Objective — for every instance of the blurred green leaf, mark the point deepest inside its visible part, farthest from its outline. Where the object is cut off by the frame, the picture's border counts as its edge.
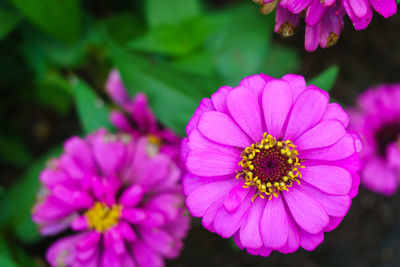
(124, 27)
(13, 151)
(170, 12)
(92, 111)
(172, 98)
(279, 61)
(176, 40)
(326, 79)
(239, 48)
(199, 63)
(16, 203)
(59, 18)
(6, 261)
(8, 21)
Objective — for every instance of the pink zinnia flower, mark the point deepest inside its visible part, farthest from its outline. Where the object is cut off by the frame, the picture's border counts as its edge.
(324, 19)
(137, 118)
(377, 119)
(270, 162)
(124, 203)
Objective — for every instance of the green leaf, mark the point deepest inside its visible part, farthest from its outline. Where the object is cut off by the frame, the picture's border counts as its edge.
(59, 18)
(241, 45)
(170, 12)
(16, 203)
(124, 27)
(326, 79)
(8, 21)
(13, 151)
(6, 261)
(92, 111)
(178, 39)
(172, 97)
(279, 61)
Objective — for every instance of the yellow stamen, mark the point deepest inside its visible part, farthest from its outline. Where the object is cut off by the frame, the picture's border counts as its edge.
(101, 217)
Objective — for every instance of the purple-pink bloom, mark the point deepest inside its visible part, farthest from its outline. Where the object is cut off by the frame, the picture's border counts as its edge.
(137, 119)
(377, 119)
(271, 163)
(123, 203)
(324, 19)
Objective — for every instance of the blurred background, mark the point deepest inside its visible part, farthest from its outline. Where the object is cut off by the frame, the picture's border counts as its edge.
(55, 56)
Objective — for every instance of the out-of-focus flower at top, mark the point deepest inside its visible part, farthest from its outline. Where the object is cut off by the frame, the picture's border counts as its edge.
(136, 118)
(377, 119)
(324, 19)
(271, 163)
(124, 205)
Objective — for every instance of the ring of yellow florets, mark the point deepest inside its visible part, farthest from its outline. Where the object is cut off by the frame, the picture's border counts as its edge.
(102, 217)
(270, 166)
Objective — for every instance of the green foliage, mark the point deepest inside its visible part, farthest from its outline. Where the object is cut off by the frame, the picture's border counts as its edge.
(9, 21)
(16, 203)
(60, 18)
(93, 112)
(326, 79)
(160, 13)
(13, 151)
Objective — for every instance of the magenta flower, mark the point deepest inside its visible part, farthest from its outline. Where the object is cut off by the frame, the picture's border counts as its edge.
(124, 203)
(324, 19)
(377, 119)
(270, 162)
(137, 118)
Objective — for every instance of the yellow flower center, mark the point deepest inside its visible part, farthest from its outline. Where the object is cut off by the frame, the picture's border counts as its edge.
(270, 166)
(101, 217)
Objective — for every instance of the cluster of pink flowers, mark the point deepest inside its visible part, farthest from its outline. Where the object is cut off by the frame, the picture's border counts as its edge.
(324, 19)
(377, 119)
(271, 163)
(137, 119)
(105, 188)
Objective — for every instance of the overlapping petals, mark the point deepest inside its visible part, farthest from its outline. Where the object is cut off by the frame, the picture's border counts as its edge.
(377, 119)
(324, 19)
(124, 204)
(235, 118)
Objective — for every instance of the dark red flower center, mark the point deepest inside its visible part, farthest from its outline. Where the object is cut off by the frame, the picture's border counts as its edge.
(386, 135)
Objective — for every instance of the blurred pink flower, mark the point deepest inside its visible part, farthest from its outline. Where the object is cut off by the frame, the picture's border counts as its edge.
(377, 119)
(124, 202)
(270, 162)
(137, 118)
(324, 19)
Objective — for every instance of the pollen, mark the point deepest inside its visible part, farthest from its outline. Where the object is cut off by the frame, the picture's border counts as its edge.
(270, 166)
(102, 217)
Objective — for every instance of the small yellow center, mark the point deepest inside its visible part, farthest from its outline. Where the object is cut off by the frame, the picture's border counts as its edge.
(101, 217)
(270, 166)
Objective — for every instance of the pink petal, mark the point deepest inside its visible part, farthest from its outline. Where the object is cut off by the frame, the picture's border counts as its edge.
(204, 106)
(297, 84)
(310, 241)
(378, 177)
(329, 179)
(335, 112)
(191, 182)
(359, 7)
(220, 128)
(306, 211)
(245, 110)
(145, 256)
(235, 197)
(132, 196)
(306, 112)
(274, 224)
(323, 134)
(250, 236)
(226, 224)
(386, 8)
(293, 241)
(219, 99)
(201, 198)
(276, 101)
(255, 83)
(212, 164)
(336, 206)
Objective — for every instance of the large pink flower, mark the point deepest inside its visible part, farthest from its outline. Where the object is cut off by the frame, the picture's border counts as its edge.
(377, 119)
(270, 162)
(324, 19)
(136, 118)
(124, 203)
